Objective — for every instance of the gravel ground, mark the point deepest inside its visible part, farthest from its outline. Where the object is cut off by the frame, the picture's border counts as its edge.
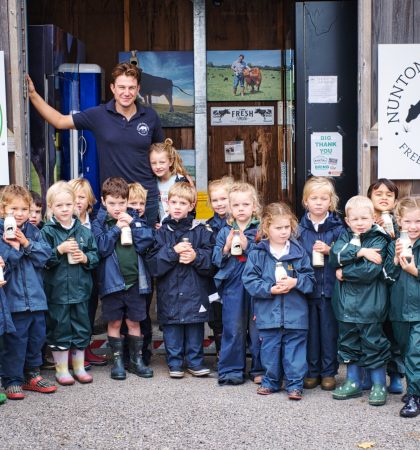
(192, 413)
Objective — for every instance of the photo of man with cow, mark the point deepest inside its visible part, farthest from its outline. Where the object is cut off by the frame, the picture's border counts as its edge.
(258, 76)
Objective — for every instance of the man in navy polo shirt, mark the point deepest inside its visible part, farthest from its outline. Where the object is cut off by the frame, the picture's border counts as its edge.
(123, 128)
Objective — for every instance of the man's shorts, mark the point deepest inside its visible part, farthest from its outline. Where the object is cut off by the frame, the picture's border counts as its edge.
(127, 304)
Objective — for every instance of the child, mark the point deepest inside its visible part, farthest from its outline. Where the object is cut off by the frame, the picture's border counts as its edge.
(6, 322)
(218, 191)
(384, 195)
(24, 256)
(168, 167)
(238, 323)
(405, 295)
(123, 279)
(137, 196)
(319, 228)
(280, 305)
(181, 261)
(35, 217)
(68, 284)
(360, 301)
(85, 201)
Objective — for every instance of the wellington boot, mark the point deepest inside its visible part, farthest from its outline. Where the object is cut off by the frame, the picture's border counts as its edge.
(136, 364)
(117, 369)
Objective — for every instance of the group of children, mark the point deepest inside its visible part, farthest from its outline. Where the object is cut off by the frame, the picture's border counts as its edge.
(300, 297)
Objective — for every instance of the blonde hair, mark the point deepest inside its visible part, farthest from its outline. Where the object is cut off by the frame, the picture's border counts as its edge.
(405, 205)
(175, 160)
(60, 187)
(316, 183)
(79, 184)
(241, 186)
(183, 190)
(359, 202)
(136, 190)
(10, 192)
(225, 182)
(274, 210)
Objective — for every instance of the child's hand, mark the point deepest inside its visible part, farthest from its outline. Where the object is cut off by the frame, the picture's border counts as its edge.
(79, 257)
(21, 238)
(188, 256)
(409, 267)
(2, 263)
(182, 247)
(2, 283)
(12, 242)
(244, 240)
(371, 254)
(228, 243)
(157, 226)
(322, 247)
(276, 289)
(339, 274)
(286, 284)
(69, 246)
(124, 220)
(379, 220)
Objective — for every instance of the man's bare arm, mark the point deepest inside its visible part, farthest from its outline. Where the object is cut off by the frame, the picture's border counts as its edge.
(51, 115)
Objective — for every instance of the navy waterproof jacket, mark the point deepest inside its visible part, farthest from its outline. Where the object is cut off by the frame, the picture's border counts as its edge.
(23, 272)
(286, 310)
(231, 267)
(109, 274)
(6, 322)
(328, 232)
(182, 289)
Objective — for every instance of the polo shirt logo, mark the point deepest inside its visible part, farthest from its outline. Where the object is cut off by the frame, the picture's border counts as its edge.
(143, 129)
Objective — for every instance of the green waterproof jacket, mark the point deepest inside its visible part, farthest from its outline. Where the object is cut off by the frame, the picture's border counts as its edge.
(405, 288)
(362, 297)
(66, 283)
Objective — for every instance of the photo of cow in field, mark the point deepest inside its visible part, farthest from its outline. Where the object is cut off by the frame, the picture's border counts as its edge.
(236, 75)
(167, 84)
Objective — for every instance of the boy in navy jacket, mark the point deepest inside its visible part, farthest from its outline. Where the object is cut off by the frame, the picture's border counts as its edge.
(123, 278)
(25, 256)
(181, 261)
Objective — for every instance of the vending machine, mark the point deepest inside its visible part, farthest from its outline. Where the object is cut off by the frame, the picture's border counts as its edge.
(81, 87)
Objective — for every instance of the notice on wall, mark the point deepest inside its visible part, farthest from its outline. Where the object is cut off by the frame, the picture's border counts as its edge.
(234, 151)
(322, 89)
(238, 115)
(399, 111)
(4, 156)
(326, 154)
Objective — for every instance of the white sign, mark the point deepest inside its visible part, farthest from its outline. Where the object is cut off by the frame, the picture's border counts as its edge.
(322, 89)
(246, 115)
(4, 156)
(399, 111)
(234, 151)
(326, 154)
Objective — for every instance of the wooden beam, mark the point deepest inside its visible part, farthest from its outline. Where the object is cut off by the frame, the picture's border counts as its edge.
(364, 94)
(127, 47)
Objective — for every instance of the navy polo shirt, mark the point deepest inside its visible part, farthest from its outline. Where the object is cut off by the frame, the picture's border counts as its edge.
(123, 146)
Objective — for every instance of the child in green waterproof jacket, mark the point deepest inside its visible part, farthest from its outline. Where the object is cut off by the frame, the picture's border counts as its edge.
(360, 301)
(403, 271)
(68, 283)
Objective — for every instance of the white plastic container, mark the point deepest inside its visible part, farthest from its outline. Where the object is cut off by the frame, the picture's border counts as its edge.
(70, 258)
(126, 236)
(236, 248)
(355, 240)
(10, 226)
(280, 272)
(388, 225)
(407, 250)
(318, 259)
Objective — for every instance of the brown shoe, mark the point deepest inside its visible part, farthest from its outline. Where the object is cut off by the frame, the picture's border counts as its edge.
(328, 383)
(311, 383)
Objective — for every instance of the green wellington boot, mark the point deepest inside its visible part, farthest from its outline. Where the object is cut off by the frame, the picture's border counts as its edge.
(3, 398)
(349, 389)
(378, 394)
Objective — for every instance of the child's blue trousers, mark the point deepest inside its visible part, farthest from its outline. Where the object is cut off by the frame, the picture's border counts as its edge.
(22, 349)
(184, 341)
(283, 351)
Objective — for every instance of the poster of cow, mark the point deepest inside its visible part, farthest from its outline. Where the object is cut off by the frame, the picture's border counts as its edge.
(167, 84)
(243, 75)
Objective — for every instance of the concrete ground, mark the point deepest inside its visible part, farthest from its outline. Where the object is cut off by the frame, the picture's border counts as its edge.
(192, 413)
